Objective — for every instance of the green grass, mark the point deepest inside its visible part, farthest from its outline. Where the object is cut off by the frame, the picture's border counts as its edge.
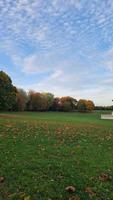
(42, 153)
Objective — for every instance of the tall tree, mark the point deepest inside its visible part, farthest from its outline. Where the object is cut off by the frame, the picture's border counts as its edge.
(37, 101)
(49, 98)
(7, 92)
(67, 103)
(81, 105)
(56, 104)
(21, 100)
(90, 105)
(85, 105)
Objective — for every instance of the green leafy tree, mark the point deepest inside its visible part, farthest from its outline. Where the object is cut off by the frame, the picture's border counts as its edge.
(7, 92)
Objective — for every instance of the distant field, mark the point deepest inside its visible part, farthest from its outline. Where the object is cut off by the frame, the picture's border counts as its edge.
(43, 153)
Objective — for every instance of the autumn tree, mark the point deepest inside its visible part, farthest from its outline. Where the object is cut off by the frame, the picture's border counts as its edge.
(21, 100)
(37, 101)
(67, 103)
(49, 98)
(81, 105)
(7, 92)
(90, 105)
(56, 104)
(85, 105)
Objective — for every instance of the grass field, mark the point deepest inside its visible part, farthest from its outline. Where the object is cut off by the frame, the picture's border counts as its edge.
(43, 153)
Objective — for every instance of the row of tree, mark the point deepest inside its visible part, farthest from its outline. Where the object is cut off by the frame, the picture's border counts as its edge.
(104, 108)
(15, 99)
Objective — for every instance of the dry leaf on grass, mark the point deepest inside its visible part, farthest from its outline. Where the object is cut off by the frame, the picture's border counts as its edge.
(104, 177)
(90, 192)
(70, 189)
(2, 179)
(27, 198)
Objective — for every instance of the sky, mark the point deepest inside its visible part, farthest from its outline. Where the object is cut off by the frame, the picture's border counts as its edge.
(60, 46)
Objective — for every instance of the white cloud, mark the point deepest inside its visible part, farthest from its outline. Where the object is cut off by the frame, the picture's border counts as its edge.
(56, 74)
(34, 63)
(65, 39)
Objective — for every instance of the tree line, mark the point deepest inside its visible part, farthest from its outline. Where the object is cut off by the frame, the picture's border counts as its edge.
(15, 99)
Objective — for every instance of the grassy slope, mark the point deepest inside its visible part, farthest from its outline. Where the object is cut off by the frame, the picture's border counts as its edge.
(42, 153)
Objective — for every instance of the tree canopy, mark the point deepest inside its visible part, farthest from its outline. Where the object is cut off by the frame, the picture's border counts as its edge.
(12, 98)
(84, 105)
(7, 92)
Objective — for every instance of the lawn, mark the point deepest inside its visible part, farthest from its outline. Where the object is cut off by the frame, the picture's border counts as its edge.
(43, 153)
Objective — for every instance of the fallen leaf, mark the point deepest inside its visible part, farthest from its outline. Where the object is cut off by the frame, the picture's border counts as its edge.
(27, 198)
(12, 195)
(70, 188)
(21, 194)
(90, 192)
(104, 177)
(2, 179)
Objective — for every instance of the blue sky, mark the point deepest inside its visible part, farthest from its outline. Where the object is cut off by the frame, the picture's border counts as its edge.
(59, 46)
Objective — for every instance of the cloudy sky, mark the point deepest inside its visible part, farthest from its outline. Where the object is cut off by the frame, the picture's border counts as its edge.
(60, 46)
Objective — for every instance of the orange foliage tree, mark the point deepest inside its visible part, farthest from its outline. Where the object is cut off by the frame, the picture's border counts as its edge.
(84, 105)
(21, 100)
(36, 102)
(67, 103)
